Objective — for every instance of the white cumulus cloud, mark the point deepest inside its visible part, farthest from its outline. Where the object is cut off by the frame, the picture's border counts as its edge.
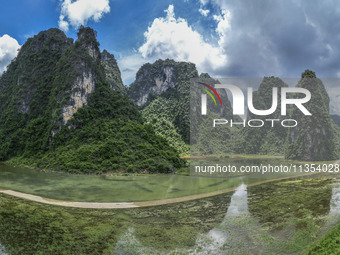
(76, 13)
(129, 65)
(204, 2)
(223, 25)
(8, 50)
(172, 37)
(203, 12)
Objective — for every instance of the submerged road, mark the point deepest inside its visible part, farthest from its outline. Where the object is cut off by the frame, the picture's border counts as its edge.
(121, 205)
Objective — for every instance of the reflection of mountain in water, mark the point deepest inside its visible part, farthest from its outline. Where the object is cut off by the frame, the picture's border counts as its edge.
(333, 217)
(221, 236)
(334, 210)
(239, 203)
(2, 250)
(239, 232)
(232, 234)
(335, 201)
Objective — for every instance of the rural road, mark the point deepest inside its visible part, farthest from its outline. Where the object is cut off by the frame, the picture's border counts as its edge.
(121, 205)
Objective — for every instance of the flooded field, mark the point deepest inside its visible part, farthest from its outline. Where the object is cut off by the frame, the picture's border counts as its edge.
(283, 216)
(92, 188)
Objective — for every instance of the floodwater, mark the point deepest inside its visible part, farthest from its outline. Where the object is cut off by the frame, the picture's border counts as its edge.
(248, 229)
(285, 216)
(2, 250)
(92, 188)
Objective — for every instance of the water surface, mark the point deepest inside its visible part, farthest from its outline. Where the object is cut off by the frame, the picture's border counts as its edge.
(91, 188)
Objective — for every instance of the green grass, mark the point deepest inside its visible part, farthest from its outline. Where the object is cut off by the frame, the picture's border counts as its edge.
(255, 156)
(285, 217)
(235, 156)
(328, 245)
(31, 228)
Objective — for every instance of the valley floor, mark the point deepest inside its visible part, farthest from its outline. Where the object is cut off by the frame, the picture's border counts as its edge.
(275, 216)
(124, 205)
(281, 217)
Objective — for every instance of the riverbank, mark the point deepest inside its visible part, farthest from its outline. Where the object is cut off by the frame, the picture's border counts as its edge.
(265, 219)
(19, 162)
(121, 205)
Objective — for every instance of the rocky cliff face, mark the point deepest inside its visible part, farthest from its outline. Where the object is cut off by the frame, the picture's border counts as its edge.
(313, 138)
(86, 70)
(83, 84)
(51, 53)
(162, 91)
(154, 79)
(87, 40)
(51, 74)
(61, 107)
(112, 72)
(80, 92)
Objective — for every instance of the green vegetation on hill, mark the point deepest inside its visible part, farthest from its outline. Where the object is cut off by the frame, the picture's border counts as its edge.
(267, 139)
(58, 111)
(336, 119)
(62, 106)
(157, 115)
(162, 91)
(206, 139)
(106, 135)
(25, 91)
(314, 137)
(112, 72)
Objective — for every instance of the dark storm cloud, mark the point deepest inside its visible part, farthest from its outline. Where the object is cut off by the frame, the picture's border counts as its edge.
(282, 38)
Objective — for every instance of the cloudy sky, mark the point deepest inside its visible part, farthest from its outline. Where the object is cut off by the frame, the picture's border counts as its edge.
(226, 38)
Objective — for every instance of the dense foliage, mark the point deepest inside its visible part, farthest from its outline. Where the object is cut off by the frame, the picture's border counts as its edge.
(112, 72)
(25, 91)
(162, 90)
(267, 139)
(157, 115)
(328, 245)
(106, 134)
(167, 110)
(314, 137)
(101, 138)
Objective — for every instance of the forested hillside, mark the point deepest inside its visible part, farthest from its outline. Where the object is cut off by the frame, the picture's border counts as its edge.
(63, 107)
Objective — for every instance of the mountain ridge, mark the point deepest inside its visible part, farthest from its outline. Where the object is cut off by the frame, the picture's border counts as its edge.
(59, 110)
(56, 89)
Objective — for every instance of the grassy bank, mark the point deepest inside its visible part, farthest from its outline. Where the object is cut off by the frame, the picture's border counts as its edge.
(32, 228)
(328, 245)
(285, 217)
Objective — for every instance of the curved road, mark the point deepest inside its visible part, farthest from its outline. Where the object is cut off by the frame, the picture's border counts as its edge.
(94, 205)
